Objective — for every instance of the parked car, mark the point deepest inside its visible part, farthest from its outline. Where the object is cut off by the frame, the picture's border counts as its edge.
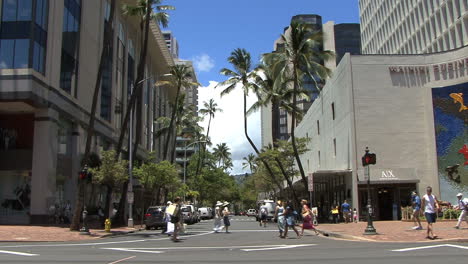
(154, 217)
(251, 212)
(205, 212)
(190, 213)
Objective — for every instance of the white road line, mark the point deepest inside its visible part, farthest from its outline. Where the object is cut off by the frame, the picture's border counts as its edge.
(120, 260)
(18, 253)
(273, 248)
(135, 250)
(427, 247)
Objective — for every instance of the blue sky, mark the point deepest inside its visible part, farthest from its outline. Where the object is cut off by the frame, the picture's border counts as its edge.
(209, 30)
(214, 28)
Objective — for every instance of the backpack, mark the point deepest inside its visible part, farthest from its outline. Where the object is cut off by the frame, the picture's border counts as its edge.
(263, 211)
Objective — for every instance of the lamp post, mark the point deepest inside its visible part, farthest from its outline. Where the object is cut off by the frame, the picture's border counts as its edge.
(185, 157)
(84, 177)
(130, 194)
(367, 160)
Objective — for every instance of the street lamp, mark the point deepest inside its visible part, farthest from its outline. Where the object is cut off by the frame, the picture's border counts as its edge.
(185, 156)
(84, 176)
(130, 195)
(367, 160)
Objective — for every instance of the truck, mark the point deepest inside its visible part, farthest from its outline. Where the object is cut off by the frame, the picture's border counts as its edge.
(270, 205)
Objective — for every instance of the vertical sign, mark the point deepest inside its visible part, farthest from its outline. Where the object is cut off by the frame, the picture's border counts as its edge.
(311, 182)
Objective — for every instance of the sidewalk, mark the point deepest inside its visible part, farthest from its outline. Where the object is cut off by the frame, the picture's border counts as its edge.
(396, 231)
(10, 233)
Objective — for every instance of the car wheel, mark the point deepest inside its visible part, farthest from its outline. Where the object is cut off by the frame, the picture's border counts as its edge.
(147, 227)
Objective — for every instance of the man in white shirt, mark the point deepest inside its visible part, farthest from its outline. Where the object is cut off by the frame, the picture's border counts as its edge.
(431, 207)
(463, 206)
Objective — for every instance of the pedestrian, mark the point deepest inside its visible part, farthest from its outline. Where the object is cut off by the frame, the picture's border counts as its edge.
(463, 206)
(68, 212)
(218, 216)
(416, 201)
(335, 212)
(279, 216)
(307, 218)
(355, 215)
(169, 227)
(346, 210)
(290, 220)
(226, 214)
(263, 214)
(176, 219)
(431, 207)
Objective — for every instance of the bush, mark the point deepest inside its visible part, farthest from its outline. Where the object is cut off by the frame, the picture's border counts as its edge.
(451, 214)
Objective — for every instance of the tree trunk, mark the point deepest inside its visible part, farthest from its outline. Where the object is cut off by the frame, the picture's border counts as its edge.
(201, 157)
(107, 43)
(75, 224)
(293, 127)
(120, 215)
(138, 83)
(171, 123)
(255, 148)
(108, 201)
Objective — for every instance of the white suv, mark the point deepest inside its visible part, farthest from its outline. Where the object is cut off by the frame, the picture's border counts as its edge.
(251, 212)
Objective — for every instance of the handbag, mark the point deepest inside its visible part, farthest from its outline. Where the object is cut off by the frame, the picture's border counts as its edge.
(174, 219)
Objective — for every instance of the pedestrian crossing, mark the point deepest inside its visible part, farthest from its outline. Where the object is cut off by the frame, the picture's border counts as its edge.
(237, 219)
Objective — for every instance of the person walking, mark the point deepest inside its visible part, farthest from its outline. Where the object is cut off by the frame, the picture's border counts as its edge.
(169, 227)
(431, 207)
(346, 210)
(263, 214)
(307, 218)
(335, 212)
(463, 206)
(355, 215)
(279, 216)
(218, 216)
(176, 219)
(290, 220)
(416, 201)
(226, 214)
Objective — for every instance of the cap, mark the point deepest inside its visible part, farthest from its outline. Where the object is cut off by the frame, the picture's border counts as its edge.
(459, 194)
(169, 202)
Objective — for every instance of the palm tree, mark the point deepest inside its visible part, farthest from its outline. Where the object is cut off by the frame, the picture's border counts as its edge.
(144, 10)
(300, 58)
(107, 47)
(242, 75)
(222, 154)
(181, 78)
(249, 162)
(211, 107)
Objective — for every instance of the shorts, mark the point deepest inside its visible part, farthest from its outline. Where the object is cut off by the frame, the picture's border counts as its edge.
(226, 221)
(263, 217)
(430, 217)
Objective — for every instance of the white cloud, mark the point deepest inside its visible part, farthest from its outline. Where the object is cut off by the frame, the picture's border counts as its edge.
(228, 126)
(203, 63)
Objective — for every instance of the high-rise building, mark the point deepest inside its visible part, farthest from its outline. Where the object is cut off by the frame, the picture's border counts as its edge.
(172, 43)
(49, 56)
(413, 27)
(339, 38)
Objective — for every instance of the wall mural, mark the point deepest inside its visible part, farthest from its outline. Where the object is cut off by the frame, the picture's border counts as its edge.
(451, 128)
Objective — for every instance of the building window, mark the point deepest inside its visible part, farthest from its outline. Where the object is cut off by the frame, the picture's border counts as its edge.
(130, 68)
(319, 162)
(70, 44)
(106, 79)
(333, 110)
(318, 127)
(23, 34)
(334, 146)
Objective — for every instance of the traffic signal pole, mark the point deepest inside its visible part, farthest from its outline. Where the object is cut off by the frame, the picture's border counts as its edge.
(367, 160)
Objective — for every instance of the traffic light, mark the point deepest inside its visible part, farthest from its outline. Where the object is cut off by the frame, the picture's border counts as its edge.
(369, 159)
(84, 174)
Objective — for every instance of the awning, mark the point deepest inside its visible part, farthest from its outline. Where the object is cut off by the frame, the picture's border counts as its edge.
(388, 182)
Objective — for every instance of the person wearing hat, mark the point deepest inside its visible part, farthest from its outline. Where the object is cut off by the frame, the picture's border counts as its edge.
(226, 213)
(463, 206)
(218, 216)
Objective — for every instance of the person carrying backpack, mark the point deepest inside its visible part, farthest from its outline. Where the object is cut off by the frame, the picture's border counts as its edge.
(263, 214)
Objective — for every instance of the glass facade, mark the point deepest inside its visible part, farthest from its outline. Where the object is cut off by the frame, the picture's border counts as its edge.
(23, 34)
(70, 44)
(106, 79)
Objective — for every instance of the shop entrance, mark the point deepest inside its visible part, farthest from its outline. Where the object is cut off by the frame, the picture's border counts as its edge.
(385, 202)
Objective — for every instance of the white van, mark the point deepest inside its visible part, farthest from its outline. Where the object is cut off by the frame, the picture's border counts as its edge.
(270, 205)
(205, 213)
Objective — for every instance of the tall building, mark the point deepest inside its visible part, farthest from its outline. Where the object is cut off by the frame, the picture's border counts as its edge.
(413, 27)
(339, 38)
(172, 43)
(49, 56)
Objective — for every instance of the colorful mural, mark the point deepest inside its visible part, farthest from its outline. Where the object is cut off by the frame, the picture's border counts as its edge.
(451, 128)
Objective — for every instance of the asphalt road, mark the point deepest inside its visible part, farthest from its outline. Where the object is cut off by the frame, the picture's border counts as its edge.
(247, 243)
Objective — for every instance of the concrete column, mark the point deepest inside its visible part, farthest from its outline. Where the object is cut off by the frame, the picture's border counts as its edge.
(43, 182)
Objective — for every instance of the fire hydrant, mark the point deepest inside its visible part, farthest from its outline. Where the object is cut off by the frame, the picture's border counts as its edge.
(107, 225)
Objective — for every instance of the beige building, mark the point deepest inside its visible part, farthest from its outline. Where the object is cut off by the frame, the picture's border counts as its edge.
(412, 26)
(404, 109)
(49, 54)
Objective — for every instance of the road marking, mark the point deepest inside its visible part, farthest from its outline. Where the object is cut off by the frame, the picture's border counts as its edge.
(120, 260)
(281, 247)
(427, 247)
(243, 248)
(18, 253)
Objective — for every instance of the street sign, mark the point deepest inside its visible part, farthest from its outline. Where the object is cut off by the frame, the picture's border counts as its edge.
(311, 182)
(130, 197)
